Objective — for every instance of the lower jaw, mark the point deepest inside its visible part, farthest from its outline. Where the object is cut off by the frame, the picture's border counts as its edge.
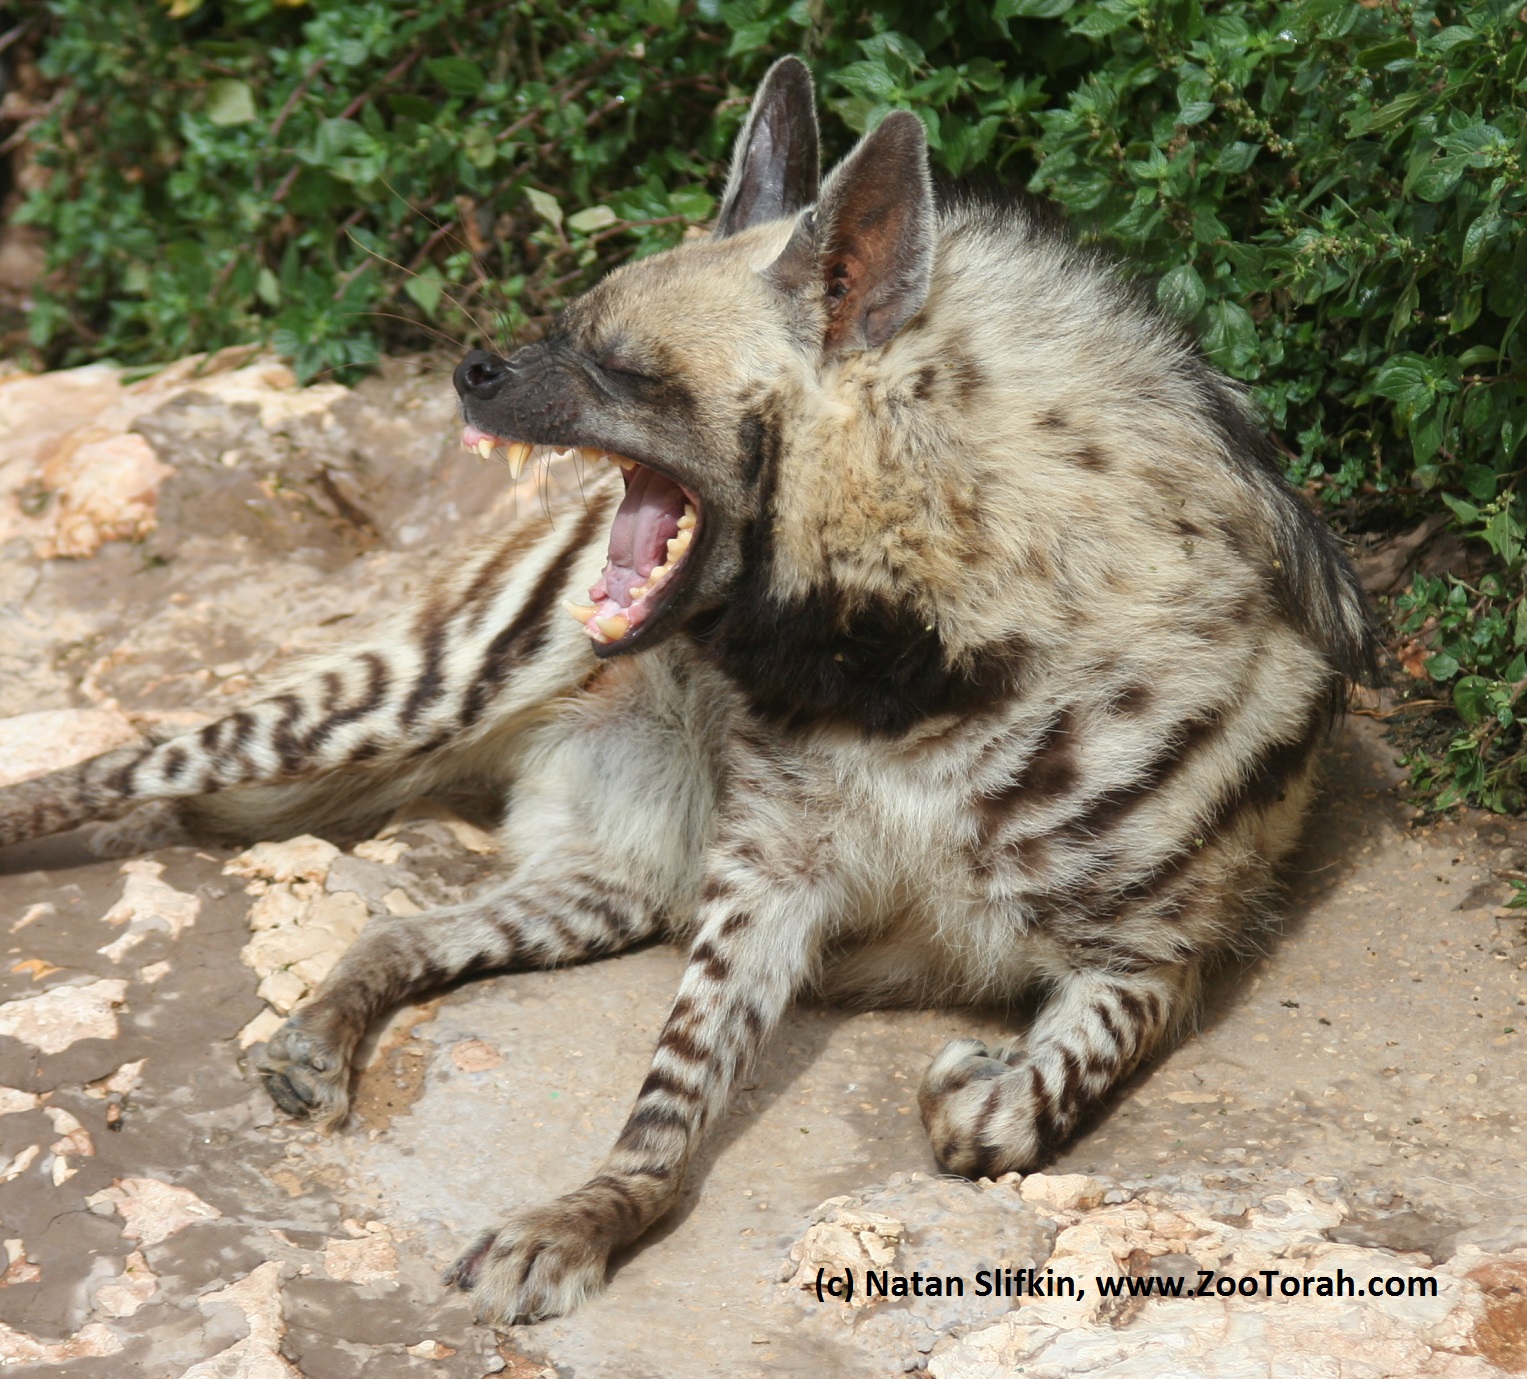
(607, 620)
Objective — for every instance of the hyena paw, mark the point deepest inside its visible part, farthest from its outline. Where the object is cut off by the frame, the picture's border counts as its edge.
(543, 1262)
(975, 1105)
(307, 1075)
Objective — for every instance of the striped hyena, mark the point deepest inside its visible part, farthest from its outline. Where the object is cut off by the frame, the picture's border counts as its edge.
(939, 630)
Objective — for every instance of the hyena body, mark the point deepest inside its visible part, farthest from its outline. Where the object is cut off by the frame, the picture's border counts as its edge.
(977, 649)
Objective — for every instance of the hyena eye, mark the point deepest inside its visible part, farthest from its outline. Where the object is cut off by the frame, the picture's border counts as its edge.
(622, 366)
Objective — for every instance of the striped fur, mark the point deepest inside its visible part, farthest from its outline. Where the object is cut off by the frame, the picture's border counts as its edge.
(997, 665)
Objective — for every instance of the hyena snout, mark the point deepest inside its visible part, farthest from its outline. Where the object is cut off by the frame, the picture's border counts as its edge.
(480, 376)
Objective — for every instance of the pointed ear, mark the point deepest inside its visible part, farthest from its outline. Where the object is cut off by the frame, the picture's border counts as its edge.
(774, 166)
(869, 243)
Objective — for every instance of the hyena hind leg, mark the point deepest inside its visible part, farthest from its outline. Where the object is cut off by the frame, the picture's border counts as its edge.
(995, 1110)
(524, 923)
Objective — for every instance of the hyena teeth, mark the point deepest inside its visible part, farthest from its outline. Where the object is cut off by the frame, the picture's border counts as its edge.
(688, 520)
(516, 455)
(592, 454)
(582, 611)
(485, 446)
(613, 627)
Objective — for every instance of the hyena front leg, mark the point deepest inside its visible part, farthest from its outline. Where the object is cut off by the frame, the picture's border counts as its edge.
(488, 643)
(991, 1111)
(756, 946)
(530, 922)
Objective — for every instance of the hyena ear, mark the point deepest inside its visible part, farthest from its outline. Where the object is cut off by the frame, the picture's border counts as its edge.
(775, 171)
(868, 246)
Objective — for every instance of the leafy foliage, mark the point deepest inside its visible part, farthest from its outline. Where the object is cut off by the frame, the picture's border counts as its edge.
(1331, 195)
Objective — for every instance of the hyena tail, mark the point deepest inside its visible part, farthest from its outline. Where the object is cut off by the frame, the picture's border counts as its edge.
(480, 659)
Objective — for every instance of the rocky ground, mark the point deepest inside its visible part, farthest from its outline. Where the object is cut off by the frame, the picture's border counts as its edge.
(1352, 1105)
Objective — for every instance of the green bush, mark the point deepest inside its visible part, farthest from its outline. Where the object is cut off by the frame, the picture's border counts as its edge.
(1331, 194)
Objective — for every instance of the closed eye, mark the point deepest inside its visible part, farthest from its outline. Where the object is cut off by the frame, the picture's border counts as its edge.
(622, 367)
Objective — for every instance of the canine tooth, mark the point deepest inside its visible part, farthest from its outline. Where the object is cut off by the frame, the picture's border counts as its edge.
(582, 611)
(485, 446)
(517, 454)
(614, 627)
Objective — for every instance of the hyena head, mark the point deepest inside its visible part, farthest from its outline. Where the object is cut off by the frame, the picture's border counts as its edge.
(885, 450)
(703, 365)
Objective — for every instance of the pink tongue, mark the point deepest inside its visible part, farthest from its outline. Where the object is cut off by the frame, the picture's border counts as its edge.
(648, 518)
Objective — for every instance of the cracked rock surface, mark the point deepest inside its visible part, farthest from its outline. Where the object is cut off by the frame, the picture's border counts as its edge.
(1352, 1101)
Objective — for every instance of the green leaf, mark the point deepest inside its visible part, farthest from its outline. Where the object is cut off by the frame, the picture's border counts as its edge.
(1231, 340)
(1441, 667)
(1481, 481)
(229, 102)
(1505, 533)
(1437, 180)
(460, 76)
(1479, 234)
(1032, 9)
(425, 289)
(1181, 292)
(695, 203)
(592, 218)
(1466, 513)
(1471, 697)
(747, 38)
(1389, 115)
(546, 206)
(1382, 54)
(1237, 157)
(868, 79)
(1406, 379)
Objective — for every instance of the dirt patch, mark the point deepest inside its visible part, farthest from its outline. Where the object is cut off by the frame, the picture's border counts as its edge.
(394, 1078)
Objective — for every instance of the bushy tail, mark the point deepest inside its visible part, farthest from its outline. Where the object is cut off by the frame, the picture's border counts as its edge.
(486, 648)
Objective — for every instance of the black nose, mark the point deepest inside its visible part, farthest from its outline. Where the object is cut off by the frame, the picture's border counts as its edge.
(480, 375)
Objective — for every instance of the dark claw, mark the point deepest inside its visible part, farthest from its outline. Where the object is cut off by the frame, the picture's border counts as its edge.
(284, 1094)
(463, 1273)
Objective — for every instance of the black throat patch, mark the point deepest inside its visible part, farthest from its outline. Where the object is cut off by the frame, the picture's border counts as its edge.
(814, 661)
(827, 657)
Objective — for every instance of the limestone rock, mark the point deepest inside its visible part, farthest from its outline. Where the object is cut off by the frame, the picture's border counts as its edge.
(258, 1356)
(153, 1211)
(1062, 1192)
(1266, 1319)
(148, 905)
(134, 1287)
(904, 1244)
(32, 744)
(105, 487)
(57, 1018)
(297, 859)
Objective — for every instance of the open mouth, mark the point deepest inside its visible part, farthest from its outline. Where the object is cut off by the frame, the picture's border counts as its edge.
(650, 538)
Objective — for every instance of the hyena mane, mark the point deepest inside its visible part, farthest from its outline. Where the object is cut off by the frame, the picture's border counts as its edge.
(949, 634)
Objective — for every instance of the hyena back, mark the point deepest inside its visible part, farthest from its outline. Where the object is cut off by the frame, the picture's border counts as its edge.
(949, 635)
